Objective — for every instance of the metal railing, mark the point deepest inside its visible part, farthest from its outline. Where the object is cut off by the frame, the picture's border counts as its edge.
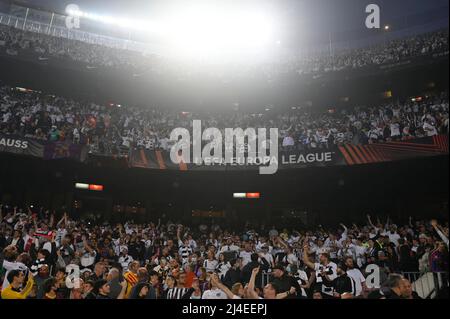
(265, 278)
(427, 284)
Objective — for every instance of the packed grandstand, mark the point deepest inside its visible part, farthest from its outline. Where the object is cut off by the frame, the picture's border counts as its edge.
(166, 260)
(111, 130)
(56, 253)
(16, 42)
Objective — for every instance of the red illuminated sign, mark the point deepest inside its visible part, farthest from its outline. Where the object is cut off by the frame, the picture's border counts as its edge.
(97, 188)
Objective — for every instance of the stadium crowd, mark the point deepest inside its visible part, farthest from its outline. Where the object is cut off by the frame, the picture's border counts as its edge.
(114, 129)
(389, 52)
(15, 42)
(49, 257)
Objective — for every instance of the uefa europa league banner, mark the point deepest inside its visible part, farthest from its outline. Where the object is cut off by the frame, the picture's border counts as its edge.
(41, 149)
(150, 159)
(340, 155)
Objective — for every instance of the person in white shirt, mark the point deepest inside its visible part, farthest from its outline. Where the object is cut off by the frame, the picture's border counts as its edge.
(289, 257)
(30, 240)
(236, 292)
(294, 238)
(347, 250)
(360, 252)
(229, 246)
(319, 248)
(222, 267)
(429, 128)
(164, 143)
(395, 130)
(343, 235)
(119, 246)
(302, 278)
(125, 259)
(214, 293)
(12, 263)
(88, 255)
(246, 254)
(356, 275)
(211, 263)
(266, 255)
(393, 236)
(48, 245)
(332, 245)
(288, 141)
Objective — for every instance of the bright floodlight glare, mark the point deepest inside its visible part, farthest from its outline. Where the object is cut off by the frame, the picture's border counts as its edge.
(206, 27)
(206, 30)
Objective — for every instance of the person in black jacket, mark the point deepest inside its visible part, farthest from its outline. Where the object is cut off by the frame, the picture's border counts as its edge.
(283, 282)
(408, 262)
(17, 240)
(141, 291)
(395, 287)
(143, 278)
(233, 275)
(254, 263)
(88, 290)
(343, 283)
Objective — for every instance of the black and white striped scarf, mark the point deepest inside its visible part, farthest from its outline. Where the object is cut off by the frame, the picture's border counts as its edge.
(176, 293)
(185, 251)
(36, 265)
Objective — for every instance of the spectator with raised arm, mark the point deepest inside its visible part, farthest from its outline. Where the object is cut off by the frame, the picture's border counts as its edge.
(440, 232)
(325, 271)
